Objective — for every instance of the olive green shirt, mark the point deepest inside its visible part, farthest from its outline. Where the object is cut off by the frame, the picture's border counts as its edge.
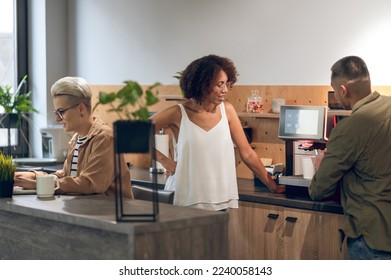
(358, 159)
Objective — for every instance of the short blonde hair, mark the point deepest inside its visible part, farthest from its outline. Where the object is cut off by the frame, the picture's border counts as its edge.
(73, 87)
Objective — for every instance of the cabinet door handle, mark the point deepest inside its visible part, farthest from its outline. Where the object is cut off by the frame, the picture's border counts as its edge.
(272, 216)
(291, 219)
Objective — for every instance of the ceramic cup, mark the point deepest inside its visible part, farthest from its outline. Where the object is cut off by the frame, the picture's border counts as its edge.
(46, 185)
(308, 167)
(276, 104)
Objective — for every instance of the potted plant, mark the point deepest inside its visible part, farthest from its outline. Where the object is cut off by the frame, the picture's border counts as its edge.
(7, 171)
(133, 133)
(130, 103)
(178, 76)
(16, 106)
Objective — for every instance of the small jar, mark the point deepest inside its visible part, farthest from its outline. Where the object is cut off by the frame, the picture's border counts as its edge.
(254, 103)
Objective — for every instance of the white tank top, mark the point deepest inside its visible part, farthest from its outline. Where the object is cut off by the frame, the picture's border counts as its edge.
(205, 175)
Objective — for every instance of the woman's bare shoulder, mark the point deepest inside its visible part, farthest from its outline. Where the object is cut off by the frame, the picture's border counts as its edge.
(168, 115)
(173, 109)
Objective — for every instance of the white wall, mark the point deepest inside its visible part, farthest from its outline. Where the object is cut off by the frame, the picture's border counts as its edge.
(271, 41)
(48, 60)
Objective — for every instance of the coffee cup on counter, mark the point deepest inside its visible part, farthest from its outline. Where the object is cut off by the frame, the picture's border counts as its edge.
(276, 104)
(47, 185)
(308, 167)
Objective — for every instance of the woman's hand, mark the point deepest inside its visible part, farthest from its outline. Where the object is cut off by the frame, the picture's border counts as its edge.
(25, 180)
(279, 189)
(170, 167)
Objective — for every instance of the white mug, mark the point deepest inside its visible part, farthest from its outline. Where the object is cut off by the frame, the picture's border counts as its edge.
(308, 167)
(45, 185)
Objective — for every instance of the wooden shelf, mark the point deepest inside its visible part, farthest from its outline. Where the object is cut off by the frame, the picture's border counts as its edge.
(344, 113)
(252, 145)
(259, 115)
(171, 97)
(277, 116)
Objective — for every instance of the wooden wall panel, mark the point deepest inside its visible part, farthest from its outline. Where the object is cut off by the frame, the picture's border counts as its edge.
(293, 95)
(386, 90)
(265, 130)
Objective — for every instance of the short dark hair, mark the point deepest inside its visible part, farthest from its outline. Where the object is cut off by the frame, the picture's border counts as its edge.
(197, 79)
(350, 68)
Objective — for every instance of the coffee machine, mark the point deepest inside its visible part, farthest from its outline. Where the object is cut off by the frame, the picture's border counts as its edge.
(55, 142)
(305, 130)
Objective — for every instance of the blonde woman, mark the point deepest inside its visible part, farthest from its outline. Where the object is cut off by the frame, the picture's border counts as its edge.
(89, 166)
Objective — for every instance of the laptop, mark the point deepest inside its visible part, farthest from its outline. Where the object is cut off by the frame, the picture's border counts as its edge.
(20, 190)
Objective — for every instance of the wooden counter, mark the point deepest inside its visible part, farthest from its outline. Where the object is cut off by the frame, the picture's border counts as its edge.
(284, 226)
(84, 227)
(249, 193)
(277, 226)
(274, 226)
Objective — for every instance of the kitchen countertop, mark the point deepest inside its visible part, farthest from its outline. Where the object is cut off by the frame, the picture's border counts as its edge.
(85, 227)
(98, 211)
(292, 199)
(247, 192)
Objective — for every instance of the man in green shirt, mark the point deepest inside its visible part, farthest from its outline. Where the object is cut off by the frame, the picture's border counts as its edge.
(358, 161)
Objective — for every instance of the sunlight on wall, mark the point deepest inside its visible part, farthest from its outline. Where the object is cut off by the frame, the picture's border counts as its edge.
(374, 46)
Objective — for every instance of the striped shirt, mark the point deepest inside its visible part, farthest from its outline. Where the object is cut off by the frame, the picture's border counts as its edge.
(80, 140)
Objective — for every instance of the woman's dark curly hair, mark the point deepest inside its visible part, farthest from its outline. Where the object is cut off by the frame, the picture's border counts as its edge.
(197, 79)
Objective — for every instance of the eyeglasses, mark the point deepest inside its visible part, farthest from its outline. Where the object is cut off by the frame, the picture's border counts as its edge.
(227, 84)
(60, 112)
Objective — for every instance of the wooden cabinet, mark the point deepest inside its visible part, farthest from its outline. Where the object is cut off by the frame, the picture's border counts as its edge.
(260, 231)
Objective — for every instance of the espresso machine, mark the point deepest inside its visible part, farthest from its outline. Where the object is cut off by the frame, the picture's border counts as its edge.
(305, 130)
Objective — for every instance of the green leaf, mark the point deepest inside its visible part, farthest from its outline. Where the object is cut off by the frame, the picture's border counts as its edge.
(129, 95)
(7, 167)
(105, 98)
(18, 102)
(151, 98)
(130, 102)
(142, 114)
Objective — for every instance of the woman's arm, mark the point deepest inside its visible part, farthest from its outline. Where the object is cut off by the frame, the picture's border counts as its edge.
(247, 154)
(27, 179)
(167, 118)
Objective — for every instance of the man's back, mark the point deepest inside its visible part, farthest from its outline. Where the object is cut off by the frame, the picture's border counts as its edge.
(358, 157)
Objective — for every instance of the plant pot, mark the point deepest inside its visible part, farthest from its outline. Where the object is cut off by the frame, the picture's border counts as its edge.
(133, 136)
(6, 188)
(19, 147)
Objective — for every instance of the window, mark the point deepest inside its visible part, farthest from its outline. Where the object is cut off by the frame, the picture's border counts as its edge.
(7, 53)
(13, 67)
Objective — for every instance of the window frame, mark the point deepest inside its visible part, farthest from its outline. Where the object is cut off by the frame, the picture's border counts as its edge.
(21, 69)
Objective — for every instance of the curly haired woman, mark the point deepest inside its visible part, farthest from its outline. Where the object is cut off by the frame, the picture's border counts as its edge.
(205, 128)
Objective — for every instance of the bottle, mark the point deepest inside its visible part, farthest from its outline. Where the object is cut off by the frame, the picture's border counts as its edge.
(161, 144)
(254, 103)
